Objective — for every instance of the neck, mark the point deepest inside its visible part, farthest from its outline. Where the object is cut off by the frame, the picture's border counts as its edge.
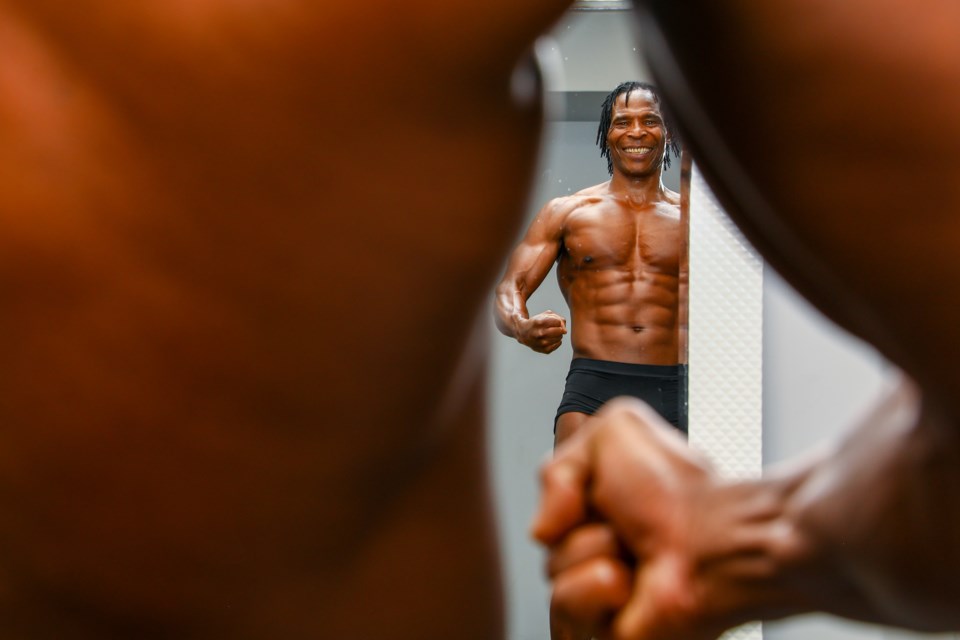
(638, 188)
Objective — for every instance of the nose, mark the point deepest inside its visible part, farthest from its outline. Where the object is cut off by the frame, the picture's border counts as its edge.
(637, 129)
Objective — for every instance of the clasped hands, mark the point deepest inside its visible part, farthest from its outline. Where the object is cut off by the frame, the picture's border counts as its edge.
(626, 514)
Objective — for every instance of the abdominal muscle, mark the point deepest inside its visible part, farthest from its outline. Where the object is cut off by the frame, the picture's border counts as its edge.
(622, 318)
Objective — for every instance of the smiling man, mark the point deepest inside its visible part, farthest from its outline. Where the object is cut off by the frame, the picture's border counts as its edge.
(617, 249)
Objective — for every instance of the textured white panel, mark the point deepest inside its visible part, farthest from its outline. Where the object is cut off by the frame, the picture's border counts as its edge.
(726, 325)
(725, 345)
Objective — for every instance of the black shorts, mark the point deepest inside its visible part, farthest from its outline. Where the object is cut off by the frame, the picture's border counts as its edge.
(591, 383)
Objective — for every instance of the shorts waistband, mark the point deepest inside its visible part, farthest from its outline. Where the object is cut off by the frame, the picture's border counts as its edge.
(627, 368)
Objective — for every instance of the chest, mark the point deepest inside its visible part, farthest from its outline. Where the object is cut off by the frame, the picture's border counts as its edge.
(617, 237)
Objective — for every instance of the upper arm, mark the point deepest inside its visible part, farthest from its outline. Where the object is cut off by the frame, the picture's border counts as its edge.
(534, 256)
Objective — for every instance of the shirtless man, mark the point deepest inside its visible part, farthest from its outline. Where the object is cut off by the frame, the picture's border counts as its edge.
(846, 180)
(617, 249)
(235, 397)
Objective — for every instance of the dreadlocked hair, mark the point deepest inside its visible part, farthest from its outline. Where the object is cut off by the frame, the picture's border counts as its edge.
(606, 113)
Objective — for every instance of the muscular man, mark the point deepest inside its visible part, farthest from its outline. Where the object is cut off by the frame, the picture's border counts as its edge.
(830, 131)
(617, 250)
(236, 399)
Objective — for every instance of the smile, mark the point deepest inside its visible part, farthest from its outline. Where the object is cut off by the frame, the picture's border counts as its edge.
(642, 151)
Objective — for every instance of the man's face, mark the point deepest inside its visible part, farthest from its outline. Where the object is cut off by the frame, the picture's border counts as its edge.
(637, 138)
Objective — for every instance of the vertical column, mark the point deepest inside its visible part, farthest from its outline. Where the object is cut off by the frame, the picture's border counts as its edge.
(725, 345)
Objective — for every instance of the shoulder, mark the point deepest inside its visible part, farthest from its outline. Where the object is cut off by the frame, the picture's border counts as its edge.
(561, 207)
(597, 194)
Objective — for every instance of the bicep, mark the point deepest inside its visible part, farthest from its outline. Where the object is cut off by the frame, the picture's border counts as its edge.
(533, 258)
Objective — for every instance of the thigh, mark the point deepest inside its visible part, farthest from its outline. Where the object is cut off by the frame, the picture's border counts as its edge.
(567, 425)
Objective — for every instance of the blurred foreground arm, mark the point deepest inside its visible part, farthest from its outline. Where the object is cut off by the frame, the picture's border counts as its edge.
(242, 259)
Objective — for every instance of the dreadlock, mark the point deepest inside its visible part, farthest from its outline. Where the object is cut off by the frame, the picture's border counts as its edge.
(606, 112)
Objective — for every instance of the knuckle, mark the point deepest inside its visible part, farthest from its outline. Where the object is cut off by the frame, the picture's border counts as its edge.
(547, 472)
(625, 409)
(618, 409)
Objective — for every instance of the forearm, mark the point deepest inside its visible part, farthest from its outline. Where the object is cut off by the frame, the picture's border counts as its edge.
(883, 507)
(867, 531)
(510, 308)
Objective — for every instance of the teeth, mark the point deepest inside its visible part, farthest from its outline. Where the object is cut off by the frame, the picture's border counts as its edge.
(640, 150)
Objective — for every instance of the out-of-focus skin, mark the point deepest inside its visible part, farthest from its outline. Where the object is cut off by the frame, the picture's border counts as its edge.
(617, 250)
(829, 130)
(243, 249)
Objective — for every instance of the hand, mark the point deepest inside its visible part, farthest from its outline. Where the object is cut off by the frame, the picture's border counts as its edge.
(543, 332)
(650, 492)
